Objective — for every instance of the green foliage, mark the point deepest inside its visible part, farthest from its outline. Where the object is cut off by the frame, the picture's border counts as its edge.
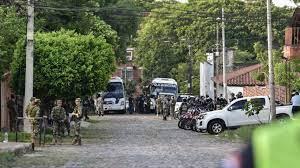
(6, 159)
(12, 27)
(243, 133)
(252, 108)
(196, 22)
(180, 74)
(130, 87)
(67, 64)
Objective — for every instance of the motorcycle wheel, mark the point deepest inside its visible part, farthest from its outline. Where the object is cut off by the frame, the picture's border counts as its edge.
(187, 125)
(180, 124)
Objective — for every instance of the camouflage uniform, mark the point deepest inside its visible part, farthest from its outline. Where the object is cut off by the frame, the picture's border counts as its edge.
(159, 105)
(172, 107)
(100, 106)
(76, 117)
(29, 106)
(166, 108)
(58, 114)
(33, 113)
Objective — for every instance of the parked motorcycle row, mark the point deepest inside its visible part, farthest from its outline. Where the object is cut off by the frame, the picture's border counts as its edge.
(197, 106)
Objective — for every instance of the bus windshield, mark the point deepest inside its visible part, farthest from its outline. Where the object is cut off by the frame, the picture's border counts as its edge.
(171, 89)
(114, 90)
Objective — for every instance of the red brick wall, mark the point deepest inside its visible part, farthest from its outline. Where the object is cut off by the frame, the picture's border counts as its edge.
(280, 92)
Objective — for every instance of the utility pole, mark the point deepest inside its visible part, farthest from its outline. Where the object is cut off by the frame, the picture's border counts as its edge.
(29, 60)
(271, 67)
(217, 56)
(190, 70)
(224, 59)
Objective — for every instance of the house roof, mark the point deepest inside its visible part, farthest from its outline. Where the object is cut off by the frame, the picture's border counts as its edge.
(241, 77)
(295, 21)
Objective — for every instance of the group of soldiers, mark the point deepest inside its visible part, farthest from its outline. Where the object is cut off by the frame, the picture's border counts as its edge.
(165, 105)
(58, 117)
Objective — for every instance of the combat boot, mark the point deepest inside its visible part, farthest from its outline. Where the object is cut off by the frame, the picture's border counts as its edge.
(79, 142)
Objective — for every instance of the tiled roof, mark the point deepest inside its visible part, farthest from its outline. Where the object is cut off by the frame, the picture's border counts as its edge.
(241, 77)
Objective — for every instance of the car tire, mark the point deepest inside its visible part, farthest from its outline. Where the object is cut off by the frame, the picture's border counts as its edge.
(282, 118)
(215, 127)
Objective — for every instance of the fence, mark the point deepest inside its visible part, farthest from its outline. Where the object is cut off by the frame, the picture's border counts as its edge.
(42, 127)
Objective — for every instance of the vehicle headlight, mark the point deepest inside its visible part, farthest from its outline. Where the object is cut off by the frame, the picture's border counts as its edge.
(151, 103)
(122, 103)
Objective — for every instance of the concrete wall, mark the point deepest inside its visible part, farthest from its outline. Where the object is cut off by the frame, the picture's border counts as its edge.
(206, 84)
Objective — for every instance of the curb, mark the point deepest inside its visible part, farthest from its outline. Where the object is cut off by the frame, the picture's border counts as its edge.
(15, 148)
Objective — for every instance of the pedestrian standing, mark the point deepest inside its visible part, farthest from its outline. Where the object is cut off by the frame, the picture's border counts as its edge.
(131, 104)
(76, 117)
(33, 114)
(58, 116)
(184, 107)
(141, 104)
(99, 106)
(159, 105)
(166, 107)
(295, 103)
(85, 108)
(29, 106)
(172, 108)
(11, 105)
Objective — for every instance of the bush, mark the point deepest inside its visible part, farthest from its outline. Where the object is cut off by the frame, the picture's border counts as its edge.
(243, 133)
(66, 64)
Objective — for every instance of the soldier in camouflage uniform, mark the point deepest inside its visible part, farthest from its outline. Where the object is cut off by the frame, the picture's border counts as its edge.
(159, 105)
(29, 106)
(76, 117)
(166, 107)
(58, 115)
(33, 114)
(172, 107)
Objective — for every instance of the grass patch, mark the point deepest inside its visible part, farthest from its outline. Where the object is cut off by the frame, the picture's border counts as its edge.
(6, 159)
(243, 133)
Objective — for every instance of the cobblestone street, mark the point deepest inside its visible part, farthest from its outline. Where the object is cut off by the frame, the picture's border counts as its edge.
(125, 141)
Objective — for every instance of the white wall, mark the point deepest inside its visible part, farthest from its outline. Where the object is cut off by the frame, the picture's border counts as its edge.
(206, 84)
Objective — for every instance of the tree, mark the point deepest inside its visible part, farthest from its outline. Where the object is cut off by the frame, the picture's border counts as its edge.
(196, 22)
(253, 107)
(67, 64)
(75, 15)
(12, 27)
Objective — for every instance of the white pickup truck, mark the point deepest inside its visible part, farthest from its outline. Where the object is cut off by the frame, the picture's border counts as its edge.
(233, 115)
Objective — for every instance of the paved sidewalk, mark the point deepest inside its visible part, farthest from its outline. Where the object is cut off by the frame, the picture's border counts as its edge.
(16, 148)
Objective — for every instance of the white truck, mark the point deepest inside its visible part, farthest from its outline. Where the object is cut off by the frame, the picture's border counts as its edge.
(233, 115)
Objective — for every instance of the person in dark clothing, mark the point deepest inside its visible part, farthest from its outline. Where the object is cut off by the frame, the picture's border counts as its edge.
(141, 104)
(85, 108)
(11, 105)
(131, 104)
(232, 97)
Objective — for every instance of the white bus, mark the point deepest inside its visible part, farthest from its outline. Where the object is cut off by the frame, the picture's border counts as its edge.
(162, 86)
(114, 98)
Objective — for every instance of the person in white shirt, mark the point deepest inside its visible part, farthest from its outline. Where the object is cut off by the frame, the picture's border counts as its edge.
(296, 103)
